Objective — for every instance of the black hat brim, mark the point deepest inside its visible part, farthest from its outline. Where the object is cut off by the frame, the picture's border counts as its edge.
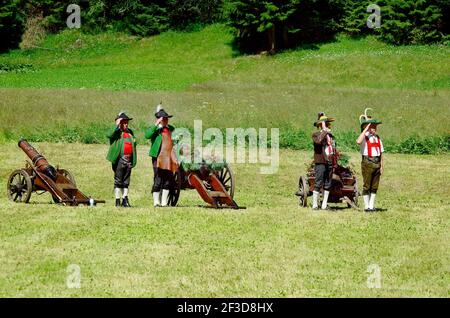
(163, 115)
(124, 118)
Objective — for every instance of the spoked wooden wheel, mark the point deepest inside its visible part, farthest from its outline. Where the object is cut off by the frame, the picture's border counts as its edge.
(226, 177)
(303, 190)
(19, 186)
(174, 193)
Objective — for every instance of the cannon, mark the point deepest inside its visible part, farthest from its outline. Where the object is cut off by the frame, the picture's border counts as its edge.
(344, 186)
(215, 185)
(213, 179)
(40, 177)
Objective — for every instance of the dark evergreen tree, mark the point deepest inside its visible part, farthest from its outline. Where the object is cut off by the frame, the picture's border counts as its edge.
(402, 21)
(280, 24)
(183, 14)
(259, 25)
(12, 21)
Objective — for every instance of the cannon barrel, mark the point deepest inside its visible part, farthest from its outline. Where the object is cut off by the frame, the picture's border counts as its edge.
(38, 160)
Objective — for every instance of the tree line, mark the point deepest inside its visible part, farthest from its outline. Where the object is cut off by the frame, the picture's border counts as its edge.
(258, 25)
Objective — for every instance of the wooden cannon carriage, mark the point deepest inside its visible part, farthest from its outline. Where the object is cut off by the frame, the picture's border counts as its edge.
(212, 178)
(344, 187)
(215, 185)
(40, 177)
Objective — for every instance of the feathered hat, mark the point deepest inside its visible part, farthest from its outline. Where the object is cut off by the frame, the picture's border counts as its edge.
(321, 117)
(160, 112)
(123, 116)
(366, 119)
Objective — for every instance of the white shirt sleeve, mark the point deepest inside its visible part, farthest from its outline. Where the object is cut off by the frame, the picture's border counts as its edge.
(363, 147)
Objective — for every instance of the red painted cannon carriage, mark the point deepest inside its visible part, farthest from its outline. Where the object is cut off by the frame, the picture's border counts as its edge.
(215, 185)
(211, 177)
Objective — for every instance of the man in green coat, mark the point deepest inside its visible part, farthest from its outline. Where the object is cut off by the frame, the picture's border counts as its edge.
(163, 157)
(123, 157)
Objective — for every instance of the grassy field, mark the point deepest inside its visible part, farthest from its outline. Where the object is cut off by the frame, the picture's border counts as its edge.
(273, 248)
(74, 91)
(64, 98)
(176, 60)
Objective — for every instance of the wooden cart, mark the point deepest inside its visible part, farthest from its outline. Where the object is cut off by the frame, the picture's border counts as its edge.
(344, 187)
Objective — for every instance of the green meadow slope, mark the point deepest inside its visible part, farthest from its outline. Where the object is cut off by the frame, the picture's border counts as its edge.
(74, 88)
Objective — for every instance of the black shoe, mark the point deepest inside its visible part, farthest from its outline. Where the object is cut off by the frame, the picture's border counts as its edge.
(369, 210)
(117, 203)
(126, 203)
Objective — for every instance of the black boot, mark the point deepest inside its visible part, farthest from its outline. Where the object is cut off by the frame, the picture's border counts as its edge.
(126, 203)
(117, 203)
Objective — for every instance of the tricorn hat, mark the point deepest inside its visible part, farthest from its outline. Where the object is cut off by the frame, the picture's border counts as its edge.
(123, 116)
(366, 119)
(160, 112)
(323, 118)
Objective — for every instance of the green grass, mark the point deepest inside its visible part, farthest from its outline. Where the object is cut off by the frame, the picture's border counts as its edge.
(69, 115)
(176, 60)
(69, 93)
(73, 91)
(351, 63)
(274, 248)
(171, 61)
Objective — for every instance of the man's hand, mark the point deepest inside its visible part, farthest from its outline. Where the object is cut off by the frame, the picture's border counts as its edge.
(381, 170)
(159, 120)
(118, 121)
(363, 133)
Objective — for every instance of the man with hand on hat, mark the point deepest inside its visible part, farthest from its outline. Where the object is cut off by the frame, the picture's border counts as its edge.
(324, 152)
(372, 164)
(163, 157)
(122, 155)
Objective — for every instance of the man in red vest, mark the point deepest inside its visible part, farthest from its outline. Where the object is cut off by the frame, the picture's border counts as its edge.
(123, 157)
(372, 164)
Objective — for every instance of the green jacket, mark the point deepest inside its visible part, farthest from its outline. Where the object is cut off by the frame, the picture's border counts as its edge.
(116, 146)
(153, 133)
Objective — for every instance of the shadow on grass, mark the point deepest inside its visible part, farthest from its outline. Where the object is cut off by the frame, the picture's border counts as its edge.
(342, 208)
(239, 50)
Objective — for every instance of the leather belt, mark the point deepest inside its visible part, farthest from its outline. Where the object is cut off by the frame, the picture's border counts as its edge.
(374, 159)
